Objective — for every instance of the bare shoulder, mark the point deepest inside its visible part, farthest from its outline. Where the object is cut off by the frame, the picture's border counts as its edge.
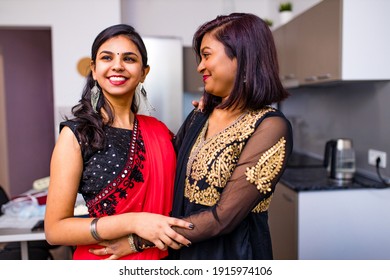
(67, 141)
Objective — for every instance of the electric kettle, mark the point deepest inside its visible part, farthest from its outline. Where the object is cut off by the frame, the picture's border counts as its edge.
(339, 160)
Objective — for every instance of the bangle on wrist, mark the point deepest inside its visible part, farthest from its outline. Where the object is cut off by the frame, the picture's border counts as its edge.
(134, 248)
(93, 229)
(142, 244)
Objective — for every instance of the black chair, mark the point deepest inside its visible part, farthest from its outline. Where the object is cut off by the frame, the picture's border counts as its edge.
(3, 198)
(37, 250)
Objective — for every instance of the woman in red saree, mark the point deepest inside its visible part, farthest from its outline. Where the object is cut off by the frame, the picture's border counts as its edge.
(121, 162)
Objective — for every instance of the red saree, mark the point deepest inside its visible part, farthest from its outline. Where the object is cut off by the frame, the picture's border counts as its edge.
(153, 194)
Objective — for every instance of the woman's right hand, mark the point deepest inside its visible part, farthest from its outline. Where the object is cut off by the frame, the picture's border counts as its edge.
(158, 230)
(113, 249)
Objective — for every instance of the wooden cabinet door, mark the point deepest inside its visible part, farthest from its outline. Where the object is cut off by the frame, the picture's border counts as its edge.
(309, 46)
(287, 56)
(319, 52)
(283, 222)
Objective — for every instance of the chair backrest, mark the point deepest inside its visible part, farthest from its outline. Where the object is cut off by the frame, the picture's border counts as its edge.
(3, 198)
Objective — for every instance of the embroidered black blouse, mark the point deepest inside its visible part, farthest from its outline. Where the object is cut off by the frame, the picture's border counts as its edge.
(224, 184)
(107, 168)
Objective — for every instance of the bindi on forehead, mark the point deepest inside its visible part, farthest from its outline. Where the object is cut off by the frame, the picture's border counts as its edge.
(117, 53)
(126, 53)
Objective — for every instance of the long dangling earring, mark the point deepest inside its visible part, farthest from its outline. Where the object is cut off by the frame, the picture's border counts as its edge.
(95, 94)
(142, 95)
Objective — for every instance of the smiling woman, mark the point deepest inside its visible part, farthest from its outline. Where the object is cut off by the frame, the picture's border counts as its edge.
(121, 162)
(232, 155)
(118, 69)
(222, 67)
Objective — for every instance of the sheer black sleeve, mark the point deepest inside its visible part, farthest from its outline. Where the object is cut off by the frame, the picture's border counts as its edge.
(252, 183)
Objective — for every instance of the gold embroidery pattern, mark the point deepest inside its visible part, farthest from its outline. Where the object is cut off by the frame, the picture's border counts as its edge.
(207, 197)
(268, 167)
(263, 205)
(216, 158)
(224, 164)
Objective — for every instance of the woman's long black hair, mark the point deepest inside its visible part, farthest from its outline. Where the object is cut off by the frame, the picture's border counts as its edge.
(90, 129)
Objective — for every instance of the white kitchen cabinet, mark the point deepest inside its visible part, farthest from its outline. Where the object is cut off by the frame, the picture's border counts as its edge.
(335, 40)
(350, 224)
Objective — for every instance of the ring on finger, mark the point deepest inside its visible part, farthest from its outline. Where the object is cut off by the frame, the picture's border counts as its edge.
(105, 251)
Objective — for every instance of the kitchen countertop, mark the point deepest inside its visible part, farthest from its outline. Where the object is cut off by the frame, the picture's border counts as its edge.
(305, 173)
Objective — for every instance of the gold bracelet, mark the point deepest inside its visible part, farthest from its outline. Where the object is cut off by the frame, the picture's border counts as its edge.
(130, 238)
(93, 229)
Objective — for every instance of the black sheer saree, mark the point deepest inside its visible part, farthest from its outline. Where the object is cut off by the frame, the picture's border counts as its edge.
(224, 185)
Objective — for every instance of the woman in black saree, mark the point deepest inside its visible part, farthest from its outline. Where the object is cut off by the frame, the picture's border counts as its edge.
(231, 155)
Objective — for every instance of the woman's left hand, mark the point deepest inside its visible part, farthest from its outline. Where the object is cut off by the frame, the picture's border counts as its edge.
(113, 249)
(198, 104)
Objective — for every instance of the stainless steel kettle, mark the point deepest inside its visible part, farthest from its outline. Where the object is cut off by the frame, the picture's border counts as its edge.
(339, 159)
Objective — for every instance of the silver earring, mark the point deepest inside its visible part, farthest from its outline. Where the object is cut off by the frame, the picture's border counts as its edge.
(95, 94)
(142, 96)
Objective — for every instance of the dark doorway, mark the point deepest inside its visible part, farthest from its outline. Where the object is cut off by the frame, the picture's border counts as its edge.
(28, 103)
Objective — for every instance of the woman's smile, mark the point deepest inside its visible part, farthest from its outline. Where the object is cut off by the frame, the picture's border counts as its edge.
(117, 80)
(118, 68)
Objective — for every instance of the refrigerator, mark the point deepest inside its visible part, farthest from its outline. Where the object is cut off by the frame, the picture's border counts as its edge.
(164, 83)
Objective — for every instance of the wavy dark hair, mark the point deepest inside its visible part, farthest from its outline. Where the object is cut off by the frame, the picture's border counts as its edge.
(247, 38)
(91, 126)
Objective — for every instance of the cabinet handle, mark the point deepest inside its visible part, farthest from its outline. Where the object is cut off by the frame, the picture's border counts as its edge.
(311, 79)
(289, 76)
(324, 77)
(288, 198)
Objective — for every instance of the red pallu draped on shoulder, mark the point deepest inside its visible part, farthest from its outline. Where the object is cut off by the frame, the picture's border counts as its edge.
(155, 193)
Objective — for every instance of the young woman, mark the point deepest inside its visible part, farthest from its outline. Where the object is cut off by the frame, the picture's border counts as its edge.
(122, 163)
(231, 157)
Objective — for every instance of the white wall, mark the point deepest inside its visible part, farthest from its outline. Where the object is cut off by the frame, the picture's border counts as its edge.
(74, 25)
(181, 18)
